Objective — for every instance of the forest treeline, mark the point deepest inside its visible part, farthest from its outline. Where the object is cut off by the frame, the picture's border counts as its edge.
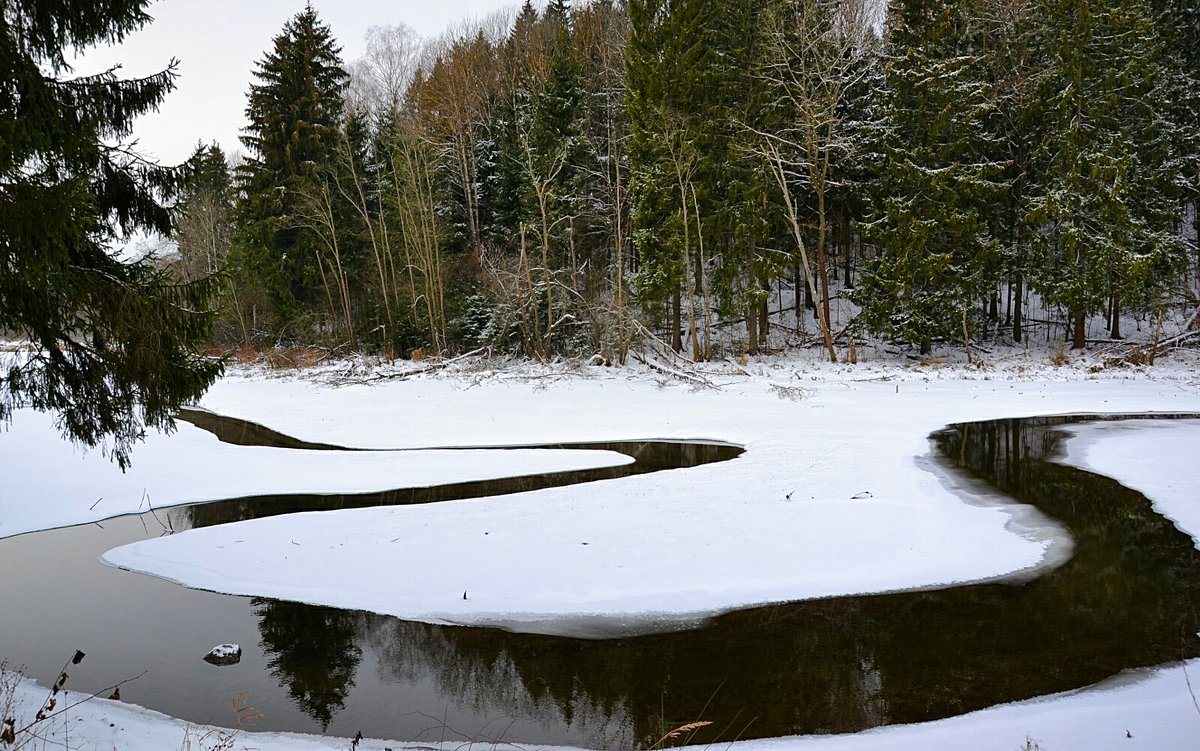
(581, 180)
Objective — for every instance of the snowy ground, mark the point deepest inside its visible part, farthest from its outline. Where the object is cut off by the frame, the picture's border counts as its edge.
(832, 496)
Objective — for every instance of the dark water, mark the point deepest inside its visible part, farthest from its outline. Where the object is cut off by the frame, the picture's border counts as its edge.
(1129, 597)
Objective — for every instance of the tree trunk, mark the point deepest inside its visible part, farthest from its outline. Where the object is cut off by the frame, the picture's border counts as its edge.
(1114, 331)
(967, 335)
(1079, 341)
(752, 331)
(822, 264)
(823, 275)
(798, 303)
(847, 281)
(836, 249)
(676, 322)
(1018, 310)
(703, 282)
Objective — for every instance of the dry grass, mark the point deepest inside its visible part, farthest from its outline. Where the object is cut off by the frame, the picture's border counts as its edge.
(196, 738)
(683, 731)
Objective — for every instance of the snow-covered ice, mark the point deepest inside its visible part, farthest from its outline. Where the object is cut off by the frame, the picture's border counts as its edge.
(50, 483)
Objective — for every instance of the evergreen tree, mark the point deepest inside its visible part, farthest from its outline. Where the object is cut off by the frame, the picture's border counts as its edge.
(1010, 31)
(735, 198)
(203, 234)
(848, 195)
(661, 64)
(600, 236)
(552, 144)
(202, 223)
(558, 14)
(1104, 201)
(696, 190)
(1178, 23)
(295, 111)
(936, 255)
(507, 200)
(112, 344)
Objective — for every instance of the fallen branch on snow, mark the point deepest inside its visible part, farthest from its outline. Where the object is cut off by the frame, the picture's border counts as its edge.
(674, 373)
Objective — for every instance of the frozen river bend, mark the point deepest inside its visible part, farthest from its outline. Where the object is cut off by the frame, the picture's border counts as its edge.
(769, 427)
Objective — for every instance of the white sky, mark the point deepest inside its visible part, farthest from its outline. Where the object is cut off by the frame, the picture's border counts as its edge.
(218, 43)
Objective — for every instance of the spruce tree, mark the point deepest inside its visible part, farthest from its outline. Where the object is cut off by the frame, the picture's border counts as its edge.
(202, 215)
(111, 344)
(203, 234)
(813, 70)
(1178, 24)
(600, 237)
(1105, 195)
(1010, 33)
(506, 200)
(734, 201)
(558, 14)
(696, 189)
(664, 52)
(295, 110)
(554, 141)
(935, 253)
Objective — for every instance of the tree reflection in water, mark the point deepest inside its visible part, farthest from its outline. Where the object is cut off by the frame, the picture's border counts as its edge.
(311, 650)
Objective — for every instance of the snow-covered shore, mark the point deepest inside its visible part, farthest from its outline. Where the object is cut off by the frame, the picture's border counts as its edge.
(831, 497)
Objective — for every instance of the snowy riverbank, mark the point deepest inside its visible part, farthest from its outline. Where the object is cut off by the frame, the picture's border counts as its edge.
(831, 497)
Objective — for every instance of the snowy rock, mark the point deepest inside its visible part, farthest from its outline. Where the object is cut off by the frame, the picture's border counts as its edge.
(224, 654)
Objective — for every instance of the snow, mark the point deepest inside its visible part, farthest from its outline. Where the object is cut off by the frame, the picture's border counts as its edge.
(832, 496)
(225, 651)
(224, 654)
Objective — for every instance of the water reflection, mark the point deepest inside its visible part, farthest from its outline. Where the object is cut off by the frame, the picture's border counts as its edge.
(312, 651)
(1129, 597)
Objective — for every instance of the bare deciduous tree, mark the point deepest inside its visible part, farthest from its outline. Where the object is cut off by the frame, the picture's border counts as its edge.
(379, 80)
(815, 56)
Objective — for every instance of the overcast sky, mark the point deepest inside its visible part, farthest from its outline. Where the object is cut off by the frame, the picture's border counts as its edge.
(218, 43)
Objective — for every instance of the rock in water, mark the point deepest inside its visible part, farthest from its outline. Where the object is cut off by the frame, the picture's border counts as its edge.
(224, 654)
